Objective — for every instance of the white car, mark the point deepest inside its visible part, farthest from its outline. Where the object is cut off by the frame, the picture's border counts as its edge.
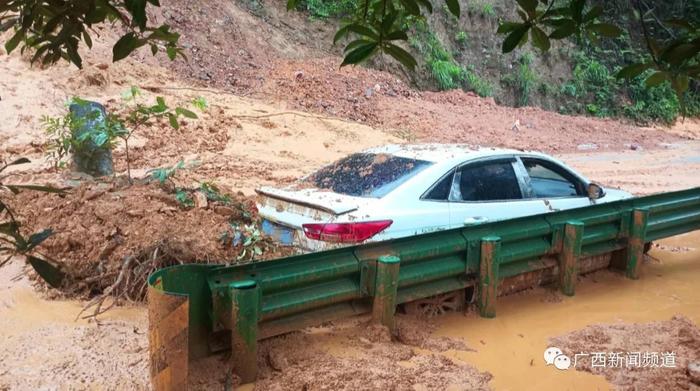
(400, 190)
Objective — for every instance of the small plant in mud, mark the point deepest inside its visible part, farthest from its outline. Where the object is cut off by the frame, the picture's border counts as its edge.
(13, 242)
(86, 133)
(165, 174)
(138, 114)
(246, 236)
(69, 134)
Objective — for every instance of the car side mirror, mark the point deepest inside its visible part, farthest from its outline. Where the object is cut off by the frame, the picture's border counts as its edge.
(595, 191)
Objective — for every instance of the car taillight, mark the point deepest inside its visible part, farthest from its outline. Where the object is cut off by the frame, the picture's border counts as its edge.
(345, 232)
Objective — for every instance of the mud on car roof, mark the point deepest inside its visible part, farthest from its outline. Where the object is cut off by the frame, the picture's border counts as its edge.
(439, 152)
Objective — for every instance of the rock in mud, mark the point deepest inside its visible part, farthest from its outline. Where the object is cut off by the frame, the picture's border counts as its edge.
(694, 372)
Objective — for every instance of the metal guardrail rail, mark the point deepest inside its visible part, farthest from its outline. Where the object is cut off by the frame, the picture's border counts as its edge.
(197, 310)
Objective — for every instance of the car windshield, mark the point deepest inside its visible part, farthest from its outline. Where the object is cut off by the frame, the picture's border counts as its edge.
(367, 174)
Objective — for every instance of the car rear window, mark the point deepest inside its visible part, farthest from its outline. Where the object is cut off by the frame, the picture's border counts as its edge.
(367, 174)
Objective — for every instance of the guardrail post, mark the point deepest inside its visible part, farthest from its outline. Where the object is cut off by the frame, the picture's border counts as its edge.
(245, 301)
(386, 285)
(635, 245)
(488, 275)
(568, 257)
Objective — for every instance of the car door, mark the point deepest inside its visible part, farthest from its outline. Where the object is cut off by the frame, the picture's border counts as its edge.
(489, 190)
(555, 185)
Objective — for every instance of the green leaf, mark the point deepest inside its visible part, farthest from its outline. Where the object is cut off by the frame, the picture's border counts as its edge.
(124, 46)
(632, 71)
(507, 27)
(87, 39)
(185, 112)
(400, 55)
(173, 121)
(514, 38)
(363, 30)
(539, 38)
(9, 228)
(453, 7)
(606, 29)
(359, 54)
(37, 238)
(342, 32)
(356, 43)
(680, 85)
(656, 79)
(411, 7)
(681, 52)
(528, 5)
(396, 35)
(593, 13)
(171, 51)
(576, 9)
(50, 273)
(12, 43)
(565, 29)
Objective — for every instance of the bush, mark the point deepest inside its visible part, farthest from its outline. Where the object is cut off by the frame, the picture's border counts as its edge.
(523, 81)
(446, 73)
(329, 8)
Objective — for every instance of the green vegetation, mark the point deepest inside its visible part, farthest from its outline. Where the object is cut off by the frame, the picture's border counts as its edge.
(68, 136)
(462, 38)
(523, 81)
(13, 238)
(446, 72)
(481, 8)
(323, 9)
(594, 89)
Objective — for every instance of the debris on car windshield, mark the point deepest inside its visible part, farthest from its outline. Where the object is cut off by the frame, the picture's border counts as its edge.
(366, 174)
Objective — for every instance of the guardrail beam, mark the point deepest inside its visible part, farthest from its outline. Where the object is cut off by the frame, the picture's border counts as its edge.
(488, 275)
(568, 257)
(635, 246)
(245, 302)
(386, 286)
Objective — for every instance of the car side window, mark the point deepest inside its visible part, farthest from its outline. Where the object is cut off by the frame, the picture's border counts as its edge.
(441, 191)
(549, 180)
(487, 181)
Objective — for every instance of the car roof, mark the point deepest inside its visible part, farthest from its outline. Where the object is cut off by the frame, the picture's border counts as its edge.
(441, 153)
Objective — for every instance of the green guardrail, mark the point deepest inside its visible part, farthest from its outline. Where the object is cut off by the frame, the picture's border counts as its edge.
(197, 310)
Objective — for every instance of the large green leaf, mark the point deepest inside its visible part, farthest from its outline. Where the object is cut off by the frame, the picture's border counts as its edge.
(632, 71)
(359, 54)
(124, 46)
(539, 38)
(565, 29)
(528, 5)
(514, 38)
(12, 43)
(453, 6)
(46, 270)
(656, 79)
(400, 55)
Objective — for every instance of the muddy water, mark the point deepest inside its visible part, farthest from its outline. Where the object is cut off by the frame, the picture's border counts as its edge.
(511, 345)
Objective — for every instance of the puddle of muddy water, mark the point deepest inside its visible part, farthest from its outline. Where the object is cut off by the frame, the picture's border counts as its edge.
(511, 345)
